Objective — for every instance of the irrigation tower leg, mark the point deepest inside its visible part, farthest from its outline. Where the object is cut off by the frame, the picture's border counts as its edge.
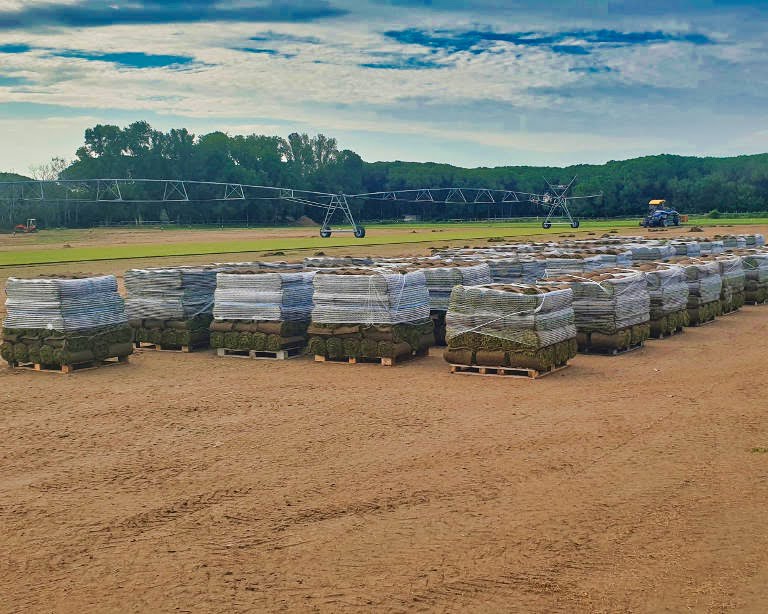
(339, 202)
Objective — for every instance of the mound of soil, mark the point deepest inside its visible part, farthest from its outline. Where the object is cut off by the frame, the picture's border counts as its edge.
(306, 221)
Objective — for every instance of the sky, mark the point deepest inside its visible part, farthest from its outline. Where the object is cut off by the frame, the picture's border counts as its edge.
(467, 82)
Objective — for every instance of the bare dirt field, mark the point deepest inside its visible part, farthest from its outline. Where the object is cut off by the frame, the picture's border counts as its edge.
(187, 482)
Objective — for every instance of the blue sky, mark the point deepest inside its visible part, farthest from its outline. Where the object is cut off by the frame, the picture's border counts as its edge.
(469, 82)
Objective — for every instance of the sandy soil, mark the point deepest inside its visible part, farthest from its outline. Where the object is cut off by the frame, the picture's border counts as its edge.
(193, 483)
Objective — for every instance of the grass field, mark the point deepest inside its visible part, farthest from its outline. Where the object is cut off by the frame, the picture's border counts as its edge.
(52, 246)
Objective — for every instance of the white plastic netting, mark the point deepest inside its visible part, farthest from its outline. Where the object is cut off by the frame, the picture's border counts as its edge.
(264, 296)
(704, 282)
(597, 262)
(732, 272)
(441, 281)
(169, 294)
(609, 302)
(756, 267)
(686, 248)
(645, 251)
(668, 289)
(330, 262)
(63, 304)
(528, 315)
(711, 247)
(370, 297)
(734, 241)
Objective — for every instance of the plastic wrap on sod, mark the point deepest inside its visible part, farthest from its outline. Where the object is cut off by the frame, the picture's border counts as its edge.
(734, 280)
(170, 309)
(58, 323)
(370, 315)
(611, 308)
(704, 288)
(756, 277)
(511, 325)
(262, 314)
(668, 289)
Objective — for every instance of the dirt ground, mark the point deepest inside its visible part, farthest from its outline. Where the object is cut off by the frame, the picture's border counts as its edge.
(187, 482)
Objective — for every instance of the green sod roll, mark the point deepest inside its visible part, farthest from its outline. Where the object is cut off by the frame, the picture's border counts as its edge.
(459, 357)
(20, 352)
(259, 341)
(46, 354)
(317, 346)
(497, 358)
(369, 348)
(6, 351)
(120, 349)
(334, 347)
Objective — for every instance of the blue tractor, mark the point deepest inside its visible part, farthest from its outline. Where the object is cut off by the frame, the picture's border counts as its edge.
(660, 216)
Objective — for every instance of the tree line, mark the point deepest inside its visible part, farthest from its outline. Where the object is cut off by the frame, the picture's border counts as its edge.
(690, 184)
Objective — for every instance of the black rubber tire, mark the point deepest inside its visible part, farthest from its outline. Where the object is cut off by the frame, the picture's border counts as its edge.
(325, 234)
(546, 225)
(665, 222)
(359, 232)
(575, 224)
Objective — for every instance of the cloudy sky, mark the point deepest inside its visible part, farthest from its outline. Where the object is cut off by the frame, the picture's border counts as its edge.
(470, 82)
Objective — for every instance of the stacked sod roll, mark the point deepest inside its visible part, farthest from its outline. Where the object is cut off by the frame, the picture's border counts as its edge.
(261, 310)
(510, 268)
(330, 262)
(756, 276)
(731, 242)
(561, 264)
(651, 252)
(611, 308)
(370, 313)
(511, 325)
(686, 248)
(171, 307)
(668, 290)
(732, 296)
(704, 288)
(441, 279)
(607, 259)
(64, 321)
(711, 248)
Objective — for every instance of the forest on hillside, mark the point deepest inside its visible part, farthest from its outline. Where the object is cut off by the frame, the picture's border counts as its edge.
(690, 184)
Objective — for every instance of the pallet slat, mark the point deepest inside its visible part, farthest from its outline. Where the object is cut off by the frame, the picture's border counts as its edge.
(143, 345)
(516, 372)
(66, 369)
(353, 360)
(284, 354)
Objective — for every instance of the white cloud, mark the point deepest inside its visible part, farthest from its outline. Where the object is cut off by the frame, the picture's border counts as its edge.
(322, 86)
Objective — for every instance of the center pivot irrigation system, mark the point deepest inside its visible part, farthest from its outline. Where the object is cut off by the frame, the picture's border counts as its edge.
(555, 199)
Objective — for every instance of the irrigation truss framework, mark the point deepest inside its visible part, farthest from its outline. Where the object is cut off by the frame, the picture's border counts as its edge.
(336, 206)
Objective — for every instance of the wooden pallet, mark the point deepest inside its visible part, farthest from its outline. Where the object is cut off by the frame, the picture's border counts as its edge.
(143, 345)
(504, 371)
(612, 351)
(385, 362)
(283, 354)
(66, 369)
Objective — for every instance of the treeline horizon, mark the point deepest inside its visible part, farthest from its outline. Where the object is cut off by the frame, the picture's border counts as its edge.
(692, 185)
